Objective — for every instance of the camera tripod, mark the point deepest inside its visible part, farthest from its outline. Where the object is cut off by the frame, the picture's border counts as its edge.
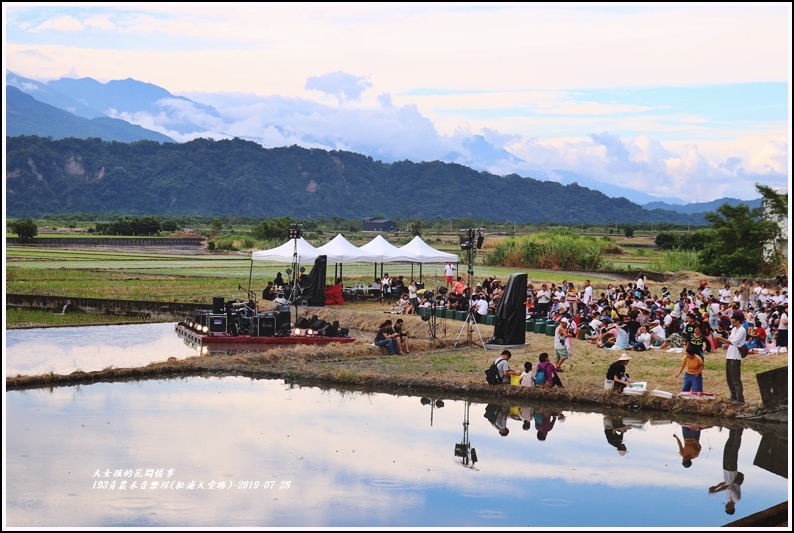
(433, 326)
(469, 325)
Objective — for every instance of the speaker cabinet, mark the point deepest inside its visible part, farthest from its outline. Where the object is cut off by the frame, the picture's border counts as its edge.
(217, 305)
(217, 323)
(283, 318)
(264, 325)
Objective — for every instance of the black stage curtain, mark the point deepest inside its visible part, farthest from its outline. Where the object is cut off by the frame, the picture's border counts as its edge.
(314, 288)
(510, 327)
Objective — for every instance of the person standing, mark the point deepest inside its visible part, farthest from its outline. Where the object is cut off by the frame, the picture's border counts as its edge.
(744, 295)
(692, 366)
(726, 296)
(385, 289)
(561, 353)
(781, 341)
(449, 275)
(543, 301)
(572, 298)
(587, 297)
(733, 359)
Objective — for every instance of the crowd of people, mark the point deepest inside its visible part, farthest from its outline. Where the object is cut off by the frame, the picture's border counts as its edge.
(696, 322)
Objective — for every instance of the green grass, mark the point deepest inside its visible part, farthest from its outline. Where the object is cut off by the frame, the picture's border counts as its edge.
(39, 318)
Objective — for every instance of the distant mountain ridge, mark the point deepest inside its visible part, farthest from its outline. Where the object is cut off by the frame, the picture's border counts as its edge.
(87, 98)
(241, 178)
(27, 116)
(702, 207)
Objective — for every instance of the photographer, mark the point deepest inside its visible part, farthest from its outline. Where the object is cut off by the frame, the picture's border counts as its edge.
(402, 336)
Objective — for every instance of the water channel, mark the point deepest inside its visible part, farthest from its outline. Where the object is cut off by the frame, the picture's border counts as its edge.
(236, 452)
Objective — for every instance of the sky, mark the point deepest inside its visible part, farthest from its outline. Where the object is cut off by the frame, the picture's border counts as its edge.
(678, 100)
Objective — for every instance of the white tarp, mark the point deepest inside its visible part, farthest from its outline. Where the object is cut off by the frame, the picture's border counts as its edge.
(384, 252)
(421, 252)
(340, 250)
(285, 252)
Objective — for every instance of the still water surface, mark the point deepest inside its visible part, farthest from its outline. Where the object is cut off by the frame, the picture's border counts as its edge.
(235, 452)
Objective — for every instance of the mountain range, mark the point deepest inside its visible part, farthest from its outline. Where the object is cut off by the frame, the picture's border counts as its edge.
(119, 110)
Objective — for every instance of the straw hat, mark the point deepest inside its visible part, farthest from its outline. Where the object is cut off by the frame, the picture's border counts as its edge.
(624, 357)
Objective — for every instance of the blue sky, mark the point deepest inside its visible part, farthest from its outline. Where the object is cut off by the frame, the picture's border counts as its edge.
(686, 100)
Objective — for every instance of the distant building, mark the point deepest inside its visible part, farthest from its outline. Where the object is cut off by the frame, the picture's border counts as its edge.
(378, 224)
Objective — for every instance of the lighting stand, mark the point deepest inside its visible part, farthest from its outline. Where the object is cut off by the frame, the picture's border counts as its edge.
(295, 231)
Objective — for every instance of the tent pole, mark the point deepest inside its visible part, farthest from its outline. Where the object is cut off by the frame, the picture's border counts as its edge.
(412, 270)
(250, 272)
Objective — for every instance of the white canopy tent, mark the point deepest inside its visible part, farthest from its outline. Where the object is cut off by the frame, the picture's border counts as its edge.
(421, 252)
(340, 250)
(286, 252)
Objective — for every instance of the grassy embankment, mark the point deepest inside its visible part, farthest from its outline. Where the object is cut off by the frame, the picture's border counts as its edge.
(434, 365)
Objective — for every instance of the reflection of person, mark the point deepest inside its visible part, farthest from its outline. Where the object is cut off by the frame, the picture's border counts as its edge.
(614, 429)
(693, 364)
(544, 422)
(732, 478)
(497, 416)
(690, 448)
(616, 373)
(386, 337)
(503, 367)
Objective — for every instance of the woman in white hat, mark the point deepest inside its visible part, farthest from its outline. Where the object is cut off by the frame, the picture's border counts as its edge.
(617, 374)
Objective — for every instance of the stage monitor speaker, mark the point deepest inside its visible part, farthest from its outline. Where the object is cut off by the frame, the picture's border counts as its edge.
(302, 323)
(318, 324)
(217, 323)
(510, 326)
(332, 330)
(283, 318)
(265, 325)
(217, 305)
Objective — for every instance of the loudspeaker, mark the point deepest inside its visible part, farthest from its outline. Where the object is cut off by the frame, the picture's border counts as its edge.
(332, 330)
(302, 323)
(283, 318)
(217, 305)
(264, 325)
(510, 327)
(318, 324)
(217, 323)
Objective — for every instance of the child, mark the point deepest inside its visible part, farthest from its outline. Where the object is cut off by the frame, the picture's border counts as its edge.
(528, 376)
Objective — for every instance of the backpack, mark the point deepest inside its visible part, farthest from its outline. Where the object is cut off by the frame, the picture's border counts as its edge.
(540, 375)
(492, 375)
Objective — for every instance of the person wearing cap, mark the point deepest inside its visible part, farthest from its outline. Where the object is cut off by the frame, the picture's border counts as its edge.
(617, 375)
(561, 352)
(733, 359)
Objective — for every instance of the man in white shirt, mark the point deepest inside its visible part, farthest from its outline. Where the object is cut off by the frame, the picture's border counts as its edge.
(587, 297)
(657, 331)
(449, 275)
(726, 296)
(640, 285)
(482, 305)
(544, 300)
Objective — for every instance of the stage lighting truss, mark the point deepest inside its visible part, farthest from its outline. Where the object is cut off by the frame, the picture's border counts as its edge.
(471, 238)
(295, 231)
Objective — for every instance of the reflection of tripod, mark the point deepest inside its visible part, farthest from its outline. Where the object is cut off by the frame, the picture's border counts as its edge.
(470, 325)
(467, 454)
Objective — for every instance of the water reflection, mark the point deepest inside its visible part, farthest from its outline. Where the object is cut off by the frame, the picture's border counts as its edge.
(65, 350)
(235, 452)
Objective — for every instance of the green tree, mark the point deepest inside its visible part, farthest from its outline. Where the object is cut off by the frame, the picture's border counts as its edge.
(776, 211)
(416, 228)
(216, 227)
(25, 229)
(628, 231)
(734, 244)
